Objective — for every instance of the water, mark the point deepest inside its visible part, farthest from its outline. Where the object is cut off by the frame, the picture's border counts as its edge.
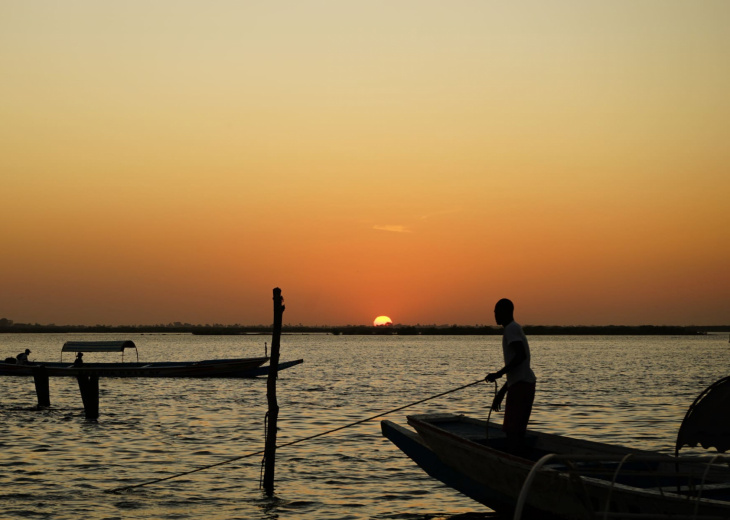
(55, 464)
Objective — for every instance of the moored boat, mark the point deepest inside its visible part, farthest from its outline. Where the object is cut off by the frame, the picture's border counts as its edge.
(228, 368)
(557, 476)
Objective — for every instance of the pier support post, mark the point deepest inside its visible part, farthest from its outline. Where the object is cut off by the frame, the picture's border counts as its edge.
(273, 413)
(89, 387)
(40, 377)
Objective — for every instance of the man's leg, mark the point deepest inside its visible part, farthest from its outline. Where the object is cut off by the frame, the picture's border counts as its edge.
(518, 408)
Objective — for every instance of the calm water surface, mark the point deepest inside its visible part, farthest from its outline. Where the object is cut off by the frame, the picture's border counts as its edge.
(55, 464)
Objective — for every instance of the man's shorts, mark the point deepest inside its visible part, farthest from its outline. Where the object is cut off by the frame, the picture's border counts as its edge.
(518, 407)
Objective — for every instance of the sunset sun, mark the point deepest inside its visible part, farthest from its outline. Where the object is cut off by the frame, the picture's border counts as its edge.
(381, 321)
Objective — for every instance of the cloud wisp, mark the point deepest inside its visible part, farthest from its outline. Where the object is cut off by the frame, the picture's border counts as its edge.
(392, 228)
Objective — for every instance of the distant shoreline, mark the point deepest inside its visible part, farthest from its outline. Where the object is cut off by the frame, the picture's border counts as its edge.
(401, 330)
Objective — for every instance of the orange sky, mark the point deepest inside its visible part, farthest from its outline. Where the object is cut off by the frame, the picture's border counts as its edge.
(177, 160)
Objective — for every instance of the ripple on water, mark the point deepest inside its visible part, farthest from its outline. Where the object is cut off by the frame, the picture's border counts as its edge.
(59, 465)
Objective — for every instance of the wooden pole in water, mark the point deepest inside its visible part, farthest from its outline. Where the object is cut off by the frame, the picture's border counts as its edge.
(89, 387)
(40, 377)
(273, 413)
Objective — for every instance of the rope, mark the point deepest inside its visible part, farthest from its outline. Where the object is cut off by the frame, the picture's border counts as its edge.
(522, 498)
(489, 415)
(291, 443)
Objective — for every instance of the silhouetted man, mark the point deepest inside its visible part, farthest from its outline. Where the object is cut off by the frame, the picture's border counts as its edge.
(23, 357)
(520, 385)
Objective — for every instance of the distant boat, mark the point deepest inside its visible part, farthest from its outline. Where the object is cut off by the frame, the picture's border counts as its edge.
(554, 476)
(229, 368)
(223, 332)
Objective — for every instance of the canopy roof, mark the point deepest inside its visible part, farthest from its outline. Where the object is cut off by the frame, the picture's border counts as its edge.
(707, 421)
(97, 346)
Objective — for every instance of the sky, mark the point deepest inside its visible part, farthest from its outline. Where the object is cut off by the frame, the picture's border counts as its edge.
(176, 160)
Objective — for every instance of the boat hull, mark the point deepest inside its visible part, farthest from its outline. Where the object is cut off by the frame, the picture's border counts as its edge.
(496, 477)
(222, 368)
(412, 445)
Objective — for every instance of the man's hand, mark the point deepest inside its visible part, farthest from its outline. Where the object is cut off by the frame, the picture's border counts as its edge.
(491, 378)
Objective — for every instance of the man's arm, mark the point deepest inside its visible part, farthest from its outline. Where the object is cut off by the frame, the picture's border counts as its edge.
(520, 356)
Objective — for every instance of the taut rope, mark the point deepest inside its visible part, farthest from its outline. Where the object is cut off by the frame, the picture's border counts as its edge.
(297, 441)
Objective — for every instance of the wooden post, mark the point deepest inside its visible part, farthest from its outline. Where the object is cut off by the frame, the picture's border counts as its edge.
(40, 377)
(273, 413)
(89, 387)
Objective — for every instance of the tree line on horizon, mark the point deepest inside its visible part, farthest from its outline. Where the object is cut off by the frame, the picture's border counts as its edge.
(8, 326)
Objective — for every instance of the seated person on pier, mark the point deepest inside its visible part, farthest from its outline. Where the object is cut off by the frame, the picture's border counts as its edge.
(23, 357)
(79, 359)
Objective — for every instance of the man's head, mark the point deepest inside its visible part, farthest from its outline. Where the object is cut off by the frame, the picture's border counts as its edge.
(504, 312)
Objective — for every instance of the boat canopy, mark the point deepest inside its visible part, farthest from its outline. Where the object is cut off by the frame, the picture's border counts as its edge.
(99, 346)
(707, 422)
